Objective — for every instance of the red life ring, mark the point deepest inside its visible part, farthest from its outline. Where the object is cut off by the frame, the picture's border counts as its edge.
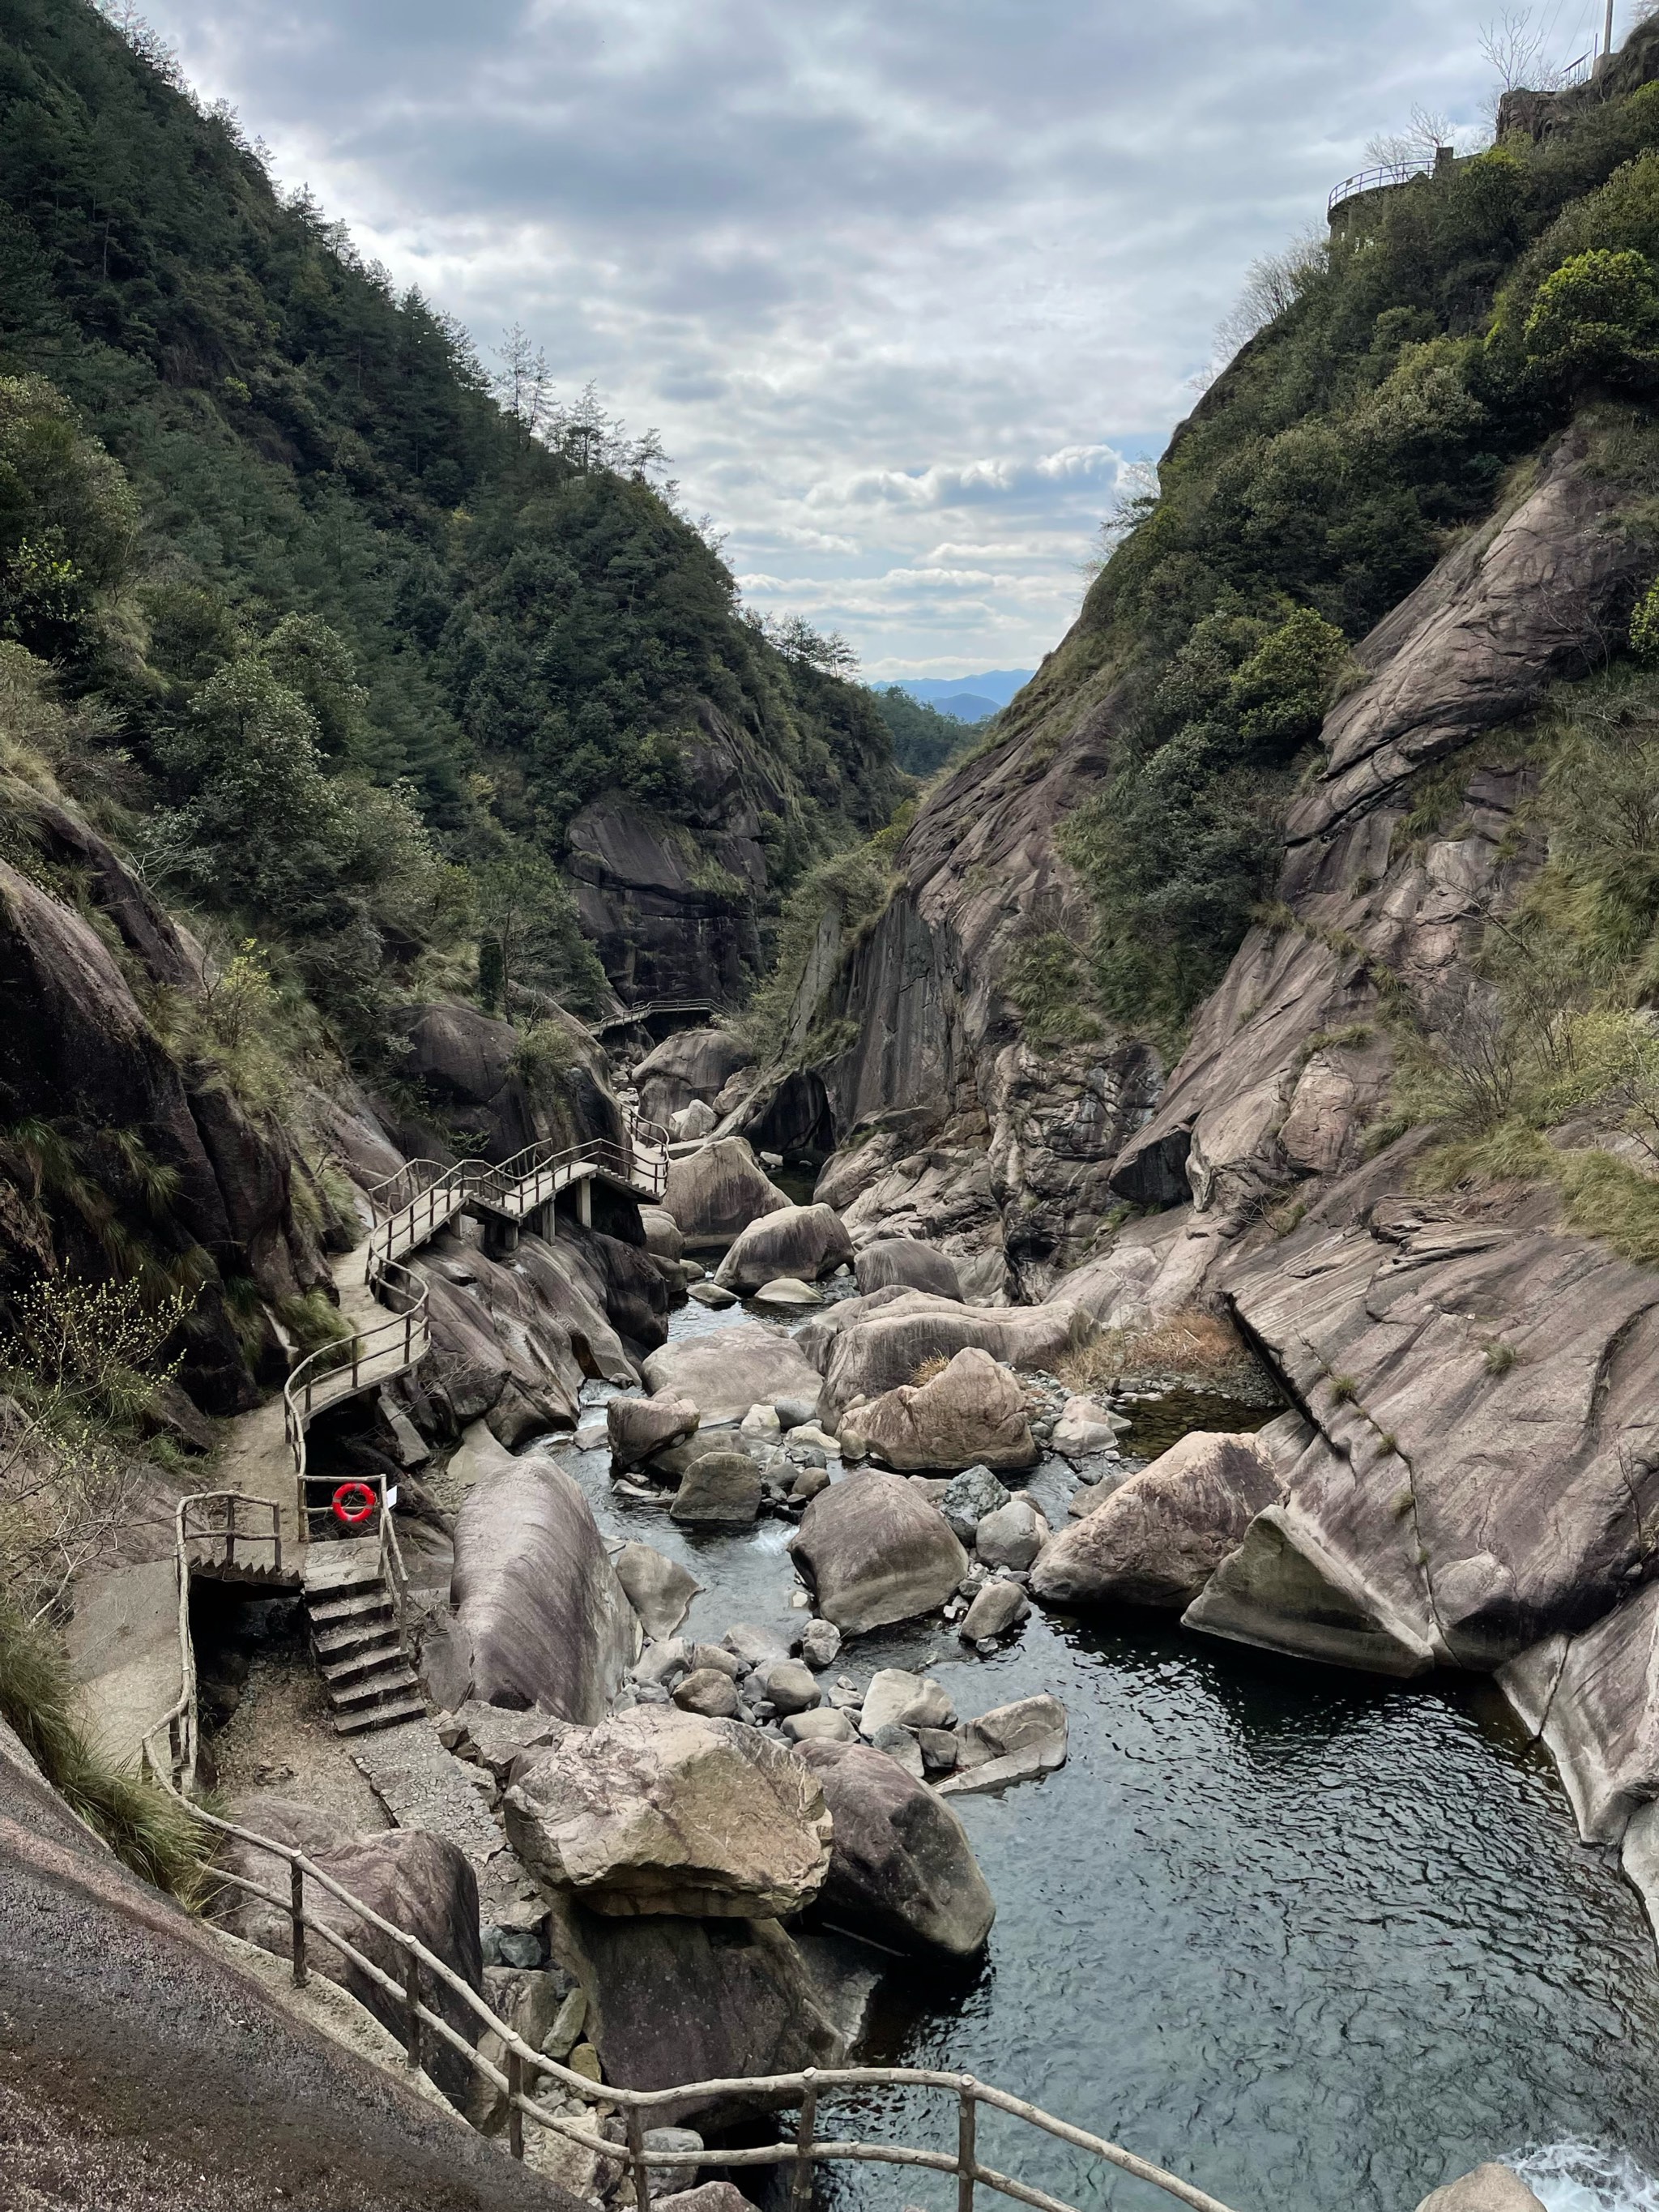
(352, 1503)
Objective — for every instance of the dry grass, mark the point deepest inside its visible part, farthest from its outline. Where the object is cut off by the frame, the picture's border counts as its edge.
(1203, 1346)
(931, 1370)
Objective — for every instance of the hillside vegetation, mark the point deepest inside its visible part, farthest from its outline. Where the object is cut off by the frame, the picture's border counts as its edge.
(1442, 335)
(292, 557)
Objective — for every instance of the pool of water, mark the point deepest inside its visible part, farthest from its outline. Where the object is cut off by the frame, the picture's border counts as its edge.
(1317, 1942)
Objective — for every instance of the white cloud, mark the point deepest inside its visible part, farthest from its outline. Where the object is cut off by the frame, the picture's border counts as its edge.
(864, 267)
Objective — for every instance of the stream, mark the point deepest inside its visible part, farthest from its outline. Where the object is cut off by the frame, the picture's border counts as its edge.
(1315, 1942)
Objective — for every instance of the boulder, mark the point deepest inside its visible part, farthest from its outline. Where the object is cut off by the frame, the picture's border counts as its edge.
(968, 1496)
(1284, 1588)
(711, 1295)
(807, 1242)
(708, 1691)
(796, 1412)
(1012, 1536)
(881, 1349)
(1158, 1537)
(899, 1745)
(896, 1698)
(676, 1999)
(901, 1868)
(754, 1645)
(808, 1483)
(692, 1064)
(422, 1884)
(727, 1370)
(721, 1489)
(715, 1193)
(789, 1291)
(1085, 1427)
(540, 1618)
(906, 1263)
(659, 1589)
(789, 1687)
(877, 1553)
(638, 1427)
(711, 2196)
(1031, 1728)
(1000, 1606)
(973, 1414)
(1490, 2187)
(823, 1724)
(660, 1811)
(698, 1120)
(662, 1233)
(820, 1646)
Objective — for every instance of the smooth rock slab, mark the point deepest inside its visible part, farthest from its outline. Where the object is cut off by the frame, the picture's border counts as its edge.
(659, 1811)
(1033, 1725)
(906, 1263)
(901, 1868)
(877, 1553)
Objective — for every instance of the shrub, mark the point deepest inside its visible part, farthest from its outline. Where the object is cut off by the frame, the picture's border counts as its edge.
(1045, 983)
(1597, 318)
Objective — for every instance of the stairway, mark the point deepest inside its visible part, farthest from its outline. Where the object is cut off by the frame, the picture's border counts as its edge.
(355, 1639)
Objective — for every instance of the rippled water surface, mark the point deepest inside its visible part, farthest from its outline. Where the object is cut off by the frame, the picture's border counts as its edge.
(1315, 1942)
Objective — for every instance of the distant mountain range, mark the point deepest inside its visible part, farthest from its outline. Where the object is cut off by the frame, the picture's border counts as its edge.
(966, 698)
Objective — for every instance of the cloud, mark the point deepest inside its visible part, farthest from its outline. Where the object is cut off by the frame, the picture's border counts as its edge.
(866, 267)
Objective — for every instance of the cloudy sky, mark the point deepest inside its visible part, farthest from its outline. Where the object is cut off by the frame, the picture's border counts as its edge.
(904, 286)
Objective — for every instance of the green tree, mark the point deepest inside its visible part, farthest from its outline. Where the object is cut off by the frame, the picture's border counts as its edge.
(1597, 318)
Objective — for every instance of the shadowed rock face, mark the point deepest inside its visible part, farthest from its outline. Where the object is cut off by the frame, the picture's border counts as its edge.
(421, 1883)
(540, 1617)
(902, 1867)
(464, 1061)
(906, 1263)
(673, 1999)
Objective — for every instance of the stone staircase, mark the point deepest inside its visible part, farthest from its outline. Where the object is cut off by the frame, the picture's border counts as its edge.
(355, 1639)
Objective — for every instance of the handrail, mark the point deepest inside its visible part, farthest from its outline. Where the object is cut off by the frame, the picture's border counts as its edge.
(803, 2089)
(1375, 180)
(629, 1015)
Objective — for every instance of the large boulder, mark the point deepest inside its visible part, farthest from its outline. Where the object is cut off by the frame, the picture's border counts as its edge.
(692, 1064)
(638, 1427)
(660, 1811)
(727, 1370)
(877, 1351)
(422, 1884)
(659, 1589)
(540, 1618)
(1490, 2187)
(721, 1489)
(907, 1264)
(1161, 1534)
(806, 1242)
(715, 1193)
(877, 1553)
(973, 1414)
(1286, 1589)
(662, 1239)
(676, 1999)
(901, 1868)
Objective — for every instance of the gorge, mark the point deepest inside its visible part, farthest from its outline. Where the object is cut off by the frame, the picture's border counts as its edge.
(1000, 1425)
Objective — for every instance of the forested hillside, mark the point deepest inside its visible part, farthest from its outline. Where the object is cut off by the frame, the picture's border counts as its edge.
(295, 562)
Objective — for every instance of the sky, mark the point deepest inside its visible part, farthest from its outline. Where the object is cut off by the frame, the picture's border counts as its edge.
(906, 285)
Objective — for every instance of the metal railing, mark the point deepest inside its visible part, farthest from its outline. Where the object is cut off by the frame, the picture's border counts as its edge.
(362, 1361)
(424, 2028)
(1378, 180)
(629, 1015)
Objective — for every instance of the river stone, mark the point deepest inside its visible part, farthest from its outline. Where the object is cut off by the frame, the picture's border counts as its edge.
(662, 1233)
(789, 1686)
(1157, 1538)
(807, 1242)
(940, 1749)
(820, 1643)
(1012, 1536)
(1033, 1728)
(661, 1662)
(824, 1725)
(910, 1701)
(1000, 1606)
(711, 1295)
(906, 1263)
(754, 1645)
(540, 1618)
(901, 1868)
(659, 1589)
(1490, 2187)
(715, 1193)
(968, 1496)
(809, 1482)
(761, 1421)
(1085, 1427)
(797, 1413)
(973, 1413)
(640, 1427)
(708, 1691)
(660, 1811)
(898, 1744)
(721, 1489)
(787, 1291)
(727, 1370)
(877, 1553)
(675, 2000)
(698, 1120)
